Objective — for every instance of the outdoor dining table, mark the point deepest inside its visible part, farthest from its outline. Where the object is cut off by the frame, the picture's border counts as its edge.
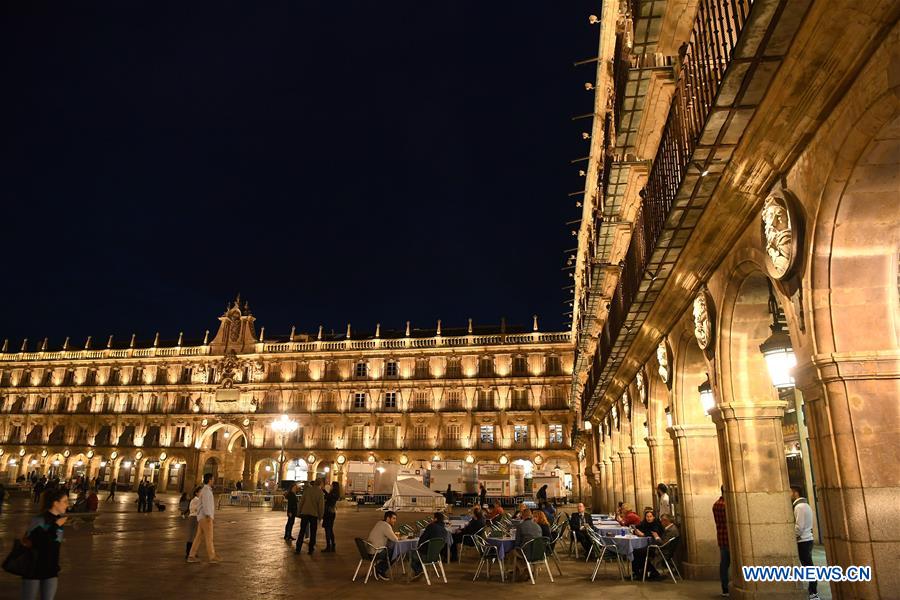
(610, 530)
(504, 545)
(627, 544)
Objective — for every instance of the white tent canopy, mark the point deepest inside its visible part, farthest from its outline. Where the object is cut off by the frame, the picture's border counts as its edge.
(411, 495)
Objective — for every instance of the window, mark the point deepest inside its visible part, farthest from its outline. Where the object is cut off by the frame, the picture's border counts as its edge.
(326, 432)
(90, 377)
(48, 377)
(162, 375)
(519, 399)
(137, 376)
(487, 434)
(555, 434)
(420, 400)
(15, 434)
(41, 404)
(4, 379)
(361, 369)
(301, 373)
(109, 404)
(520, 365)
(422, 368)
(392, 369)
(356, 436)
(454, 368)
(326, 401)
(454, 399)
(520, 433)
(69, 377)
(186, 373)
(453, 433)
(359, 400)
(155, 405)
(115, 377)
(388, 436)
(179, 434)
(183, 404)
(26, 379)
(331, 371)
(486, 399)
(553, 365)
(390, 399)
(420, 432)
(486, 366)
(554, 397)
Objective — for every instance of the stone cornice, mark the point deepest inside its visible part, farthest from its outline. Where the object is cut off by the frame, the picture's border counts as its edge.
(844, 366)
(692, 431)
(746, 411)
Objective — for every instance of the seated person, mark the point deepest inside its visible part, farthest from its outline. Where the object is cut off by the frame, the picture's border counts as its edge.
(549, 510)
(471, 528)
(670, 531)
(649, 525)
(580, 521)
(628, 517)
(526, 531)
(93, 501)
(495, 511)
(435, 529)
(540, 518)
(382, 535)
(519, 509)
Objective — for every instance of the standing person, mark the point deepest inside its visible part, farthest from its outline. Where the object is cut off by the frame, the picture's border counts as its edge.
(141, 496)
(184, 505)
(665, 506)
(541, 495)
(803, 531)
(448, 496)
(331, 500)
(718, 510)
(290, 497)
(112, 492)
(46, 534)
(38, 487)
(149, 495)
(192, 510)
(206, 514)
(482, 495)
(312, 508)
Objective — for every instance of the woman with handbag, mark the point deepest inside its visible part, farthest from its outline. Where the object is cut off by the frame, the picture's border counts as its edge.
(45, 534)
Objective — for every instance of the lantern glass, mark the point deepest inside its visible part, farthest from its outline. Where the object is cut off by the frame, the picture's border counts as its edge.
(781, 363)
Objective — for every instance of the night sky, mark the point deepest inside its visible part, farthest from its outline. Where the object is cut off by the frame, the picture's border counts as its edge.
(333, 162)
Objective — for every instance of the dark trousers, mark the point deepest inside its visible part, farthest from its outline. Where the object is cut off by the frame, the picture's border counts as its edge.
(637, 565)
(289, 527)
(141, 501)
(312, 523)
(804, 549)
(724, 565)
(584, 540)
(328, 526)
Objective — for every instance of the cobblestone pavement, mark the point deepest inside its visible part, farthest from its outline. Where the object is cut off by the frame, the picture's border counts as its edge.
(141, 555)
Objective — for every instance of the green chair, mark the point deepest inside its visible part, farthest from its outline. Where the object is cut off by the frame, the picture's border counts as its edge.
(533, 552)
(432, 558)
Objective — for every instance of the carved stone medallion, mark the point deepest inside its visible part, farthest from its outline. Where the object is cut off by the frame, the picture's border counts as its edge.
(641, 387)
(779, 225)
(703, 320)
(662, 357)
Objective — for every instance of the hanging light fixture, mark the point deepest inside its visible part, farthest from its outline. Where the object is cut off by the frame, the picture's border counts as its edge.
(777, 349)
(707, 401)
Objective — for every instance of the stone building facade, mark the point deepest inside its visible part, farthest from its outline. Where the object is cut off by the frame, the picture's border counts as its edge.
(736, 311)
(171, 413)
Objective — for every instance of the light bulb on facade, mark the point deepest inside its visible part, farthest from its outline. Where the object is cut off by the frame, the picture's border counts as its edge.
(707, 400)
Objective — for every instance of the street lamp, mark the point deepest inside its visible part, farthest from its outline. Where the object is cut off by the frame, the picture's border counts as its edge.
(706, 396)
(777, 349)
(283, 426)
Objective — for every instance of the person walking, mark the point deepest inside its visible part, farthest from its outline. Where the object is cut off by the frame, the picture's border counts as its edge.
(292, 504)
(45, 533)
(112, 492)
(448, 496)
(206, 514)
(541, 495)
(719, 517)
(331, 500)
(803, 531)
(193, 507)
(312, 508)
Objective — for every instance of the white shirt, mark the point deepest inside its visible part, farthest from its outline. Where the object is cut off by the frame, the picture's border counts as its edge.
(194, 506)
(381, 533)
(665, 507)
(803, 520)
(207, 503)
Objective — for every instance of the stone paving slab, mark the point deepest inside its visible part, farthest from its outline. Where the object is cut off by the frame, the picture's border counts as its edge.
(141, 555)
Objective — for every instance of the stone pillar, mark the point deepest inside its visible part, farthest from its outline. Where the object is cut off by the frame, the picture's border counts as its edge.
(627, 485)
(615, 481)
(162, 483)
(662, 463)
(602, 499)
(643, 488)
(758, 505)
(247, 473)
(697, 473)
(854, 419)
(608, 486)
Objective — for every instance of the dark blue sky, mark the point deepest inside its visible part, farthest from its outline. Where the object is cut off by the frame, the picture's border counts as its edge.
(330, 161)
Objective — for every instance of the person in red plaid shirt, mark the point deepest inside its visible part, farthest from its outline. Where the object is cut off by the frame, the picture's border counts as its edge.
(718, 510)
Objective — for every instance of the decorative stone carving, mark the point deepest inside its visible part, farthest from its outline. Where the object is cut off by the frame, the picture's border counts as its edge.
(641, 387)
(259, 372)
(778, 223)
(626, 404)
(662, 357)
(228, 369)
(200, 373)
(703, 320)
(615, 416)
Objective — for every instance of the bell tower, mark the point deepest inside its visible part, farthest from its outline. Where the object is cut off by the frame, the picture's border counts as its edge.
(236, 330)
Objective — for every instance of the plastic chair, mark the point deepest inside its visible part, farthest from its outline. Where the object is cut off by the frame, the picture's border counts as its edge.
(605, 546)
(534, 552)
(488, 555)
(665, 549)
(368, 552)
(471, 538)
(433, 548)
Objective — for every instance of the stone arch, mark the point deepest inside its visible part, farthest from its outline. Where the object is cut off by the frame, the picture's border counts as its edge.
(207, 433)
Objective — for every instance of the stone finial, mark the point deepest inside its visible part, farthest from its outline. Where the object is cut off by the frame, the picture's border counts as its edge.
(206, 337)
(293, 329)
(348, 331)
(469, 330)
(66, 343)
(131, 343)
(5, 345)
(377, 329)
(319, 337)
(156, 340)
(109, 341)
(24, 345)
(502, 324)
(44, 345)
(262, 333)
(439, 327)
(407, 329)
(180, 338)
(87, 343)
(534, 326)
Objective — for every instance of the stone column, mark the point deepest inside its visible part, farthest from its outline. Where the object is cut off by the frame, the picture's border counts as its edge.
(615, 480)
(602, 499)
(697, 473)
(758, 505)
(854, 418)
(247, 472)
(627, 485)
(662, 463)
(608, 486)
(643, 488)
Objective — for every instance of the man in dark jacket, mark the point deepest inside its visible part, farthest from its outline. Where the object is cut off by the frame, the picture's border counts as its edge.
(312, 508)
(578, 522)
(292, 505)
(471, 528)
(435, 529)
